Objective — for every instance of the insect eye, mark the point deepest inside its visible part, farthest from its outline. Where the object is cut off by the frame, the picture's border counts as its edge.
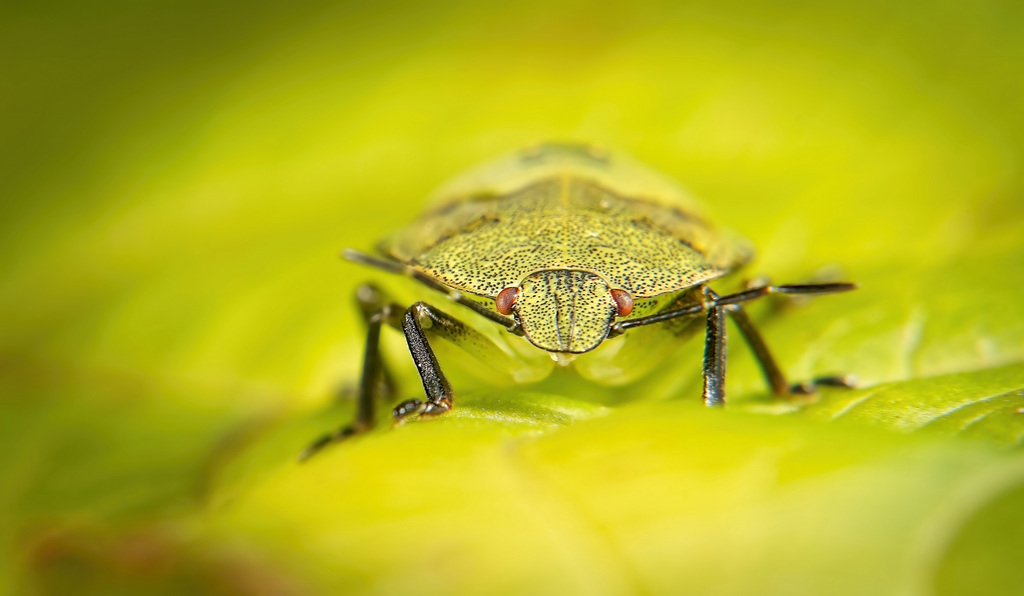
(623, 302)
(506, 298)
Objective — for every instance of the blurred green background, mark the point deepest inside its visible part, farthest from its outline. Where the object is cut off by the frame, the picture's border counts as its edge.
(175, 324)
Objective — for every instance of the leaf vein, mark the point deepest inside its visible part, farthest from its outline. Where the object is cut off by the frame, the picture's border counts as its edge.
(853, 404)
(949, 413)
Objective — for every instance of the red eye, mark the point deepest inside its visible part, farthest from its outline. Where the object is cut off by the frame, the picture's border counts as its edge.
(623, 302)
(506, 298)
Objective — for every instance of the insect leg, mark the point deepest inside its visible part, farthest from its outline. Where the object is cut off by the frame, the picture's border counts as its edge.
(714, 347)
(772, 373)
(714, 358)
(435, 383)
(372, 301)
(421, 319)
(376, 312)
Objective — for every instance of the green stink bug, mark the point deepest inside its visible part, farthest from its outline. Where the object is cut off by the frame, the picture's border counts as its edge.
(570, 248)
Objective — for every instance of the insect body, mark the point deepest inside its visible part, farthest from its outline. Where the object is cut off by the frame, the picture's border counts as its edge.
(570, 248)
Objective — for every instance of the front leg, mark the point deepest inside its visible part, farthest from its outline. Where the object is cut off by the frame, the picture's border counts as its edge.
(435, 384)
(416, 322)
(422, 320)
(714, 358)
(714, 345)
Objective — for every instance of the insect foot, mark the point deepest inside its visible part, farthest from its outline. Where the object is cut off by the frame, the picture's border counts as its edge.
(340, 435)
(407, 409)
(436, 408)
(423, 409)
(811, 387)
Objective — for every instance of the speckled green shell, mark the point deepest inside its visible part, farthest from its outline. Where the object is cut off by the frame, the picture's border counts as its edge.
(566, 208)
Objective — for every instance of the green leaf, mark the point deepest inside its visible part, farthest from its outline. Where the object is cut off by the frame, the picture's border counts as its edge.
(983, 405)
(648, 498)
(175, 325)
